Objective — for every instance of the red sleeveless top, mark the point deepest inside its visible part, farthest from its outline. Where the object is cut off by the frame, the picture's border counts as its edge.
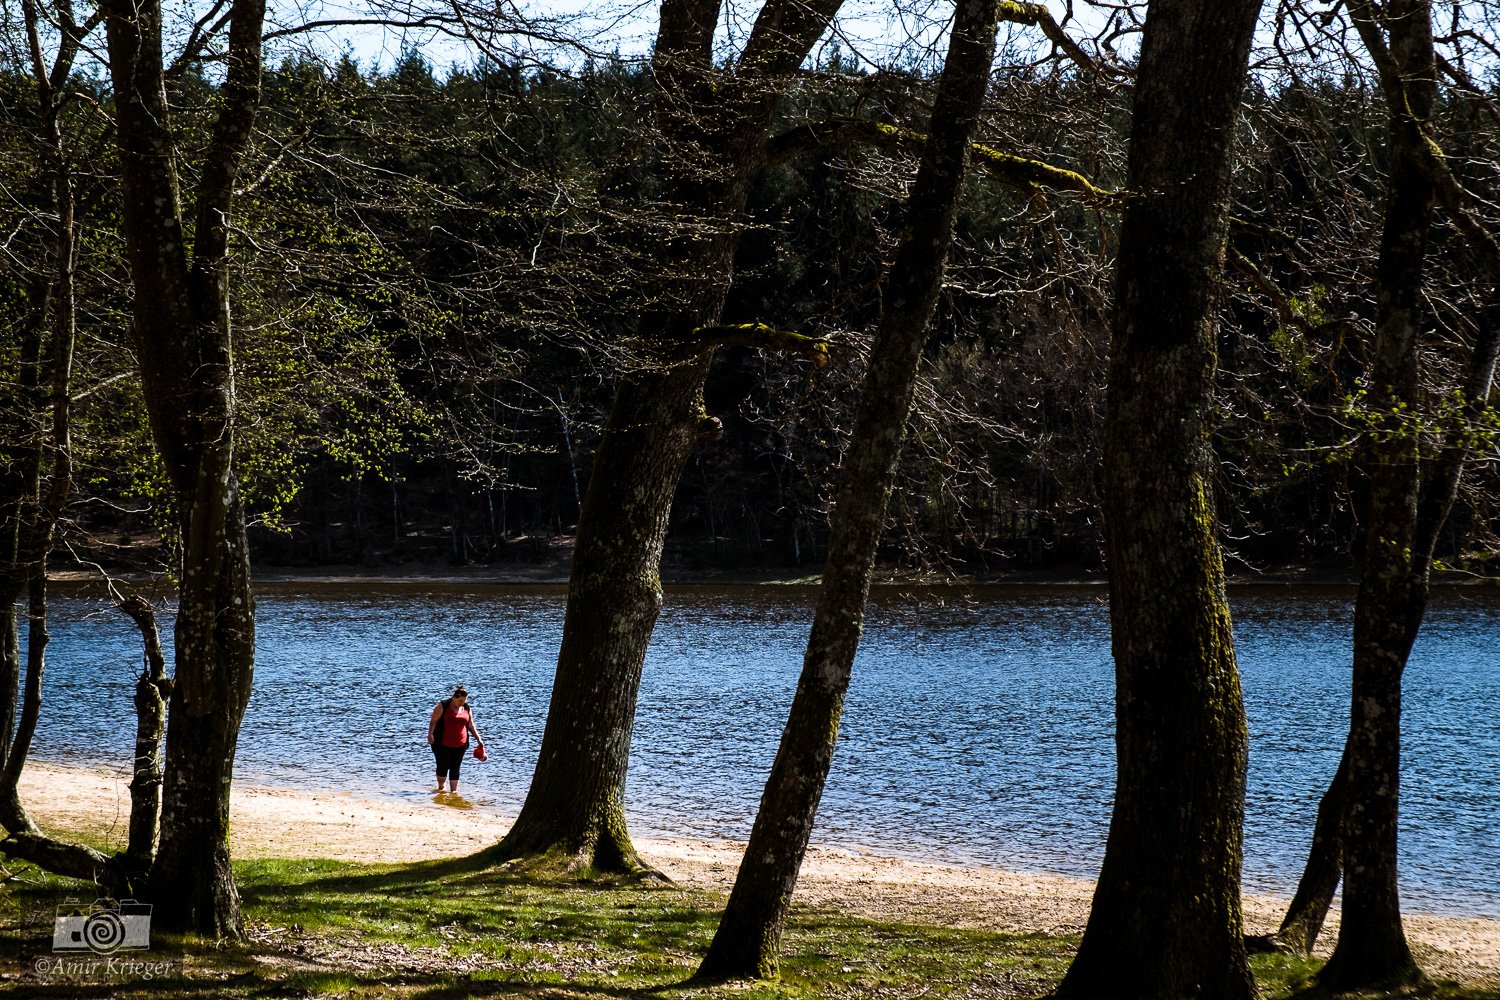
(455, 726)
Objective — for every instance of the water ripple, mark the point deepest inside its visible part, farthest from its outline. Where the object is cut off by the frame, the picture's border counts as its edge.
(979, 726)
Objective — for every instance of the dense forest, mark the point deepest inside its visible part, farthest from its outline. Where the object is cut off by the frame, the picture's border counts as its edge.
(1166, 291)
(446, 263)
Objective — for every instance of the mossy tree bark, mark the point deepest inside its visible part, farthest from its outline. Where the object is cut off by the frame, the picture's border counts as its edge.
(747, 942)
(714, 127)
(1166, 918)
(181, 329)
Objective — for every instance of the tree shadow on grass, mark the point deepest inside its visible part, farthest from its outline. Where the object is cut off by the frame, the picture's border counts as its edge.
(1426, 990)
(457, 890)
(483, 867)
(538, 991)
(502, 922)
(576, 936)
(460, 927)
(254, 987)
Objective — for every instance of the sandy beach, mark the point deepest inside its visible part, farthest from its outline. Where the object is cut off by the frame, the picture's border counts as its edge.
(287, 823)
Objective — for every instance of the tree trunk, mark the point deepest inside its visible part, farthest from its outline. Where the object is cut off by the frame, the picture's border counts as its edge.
(20, 497)
(715, 126)
(41, 454)
(1418, 174)
(747, 943)
(1320, 878)
(567, 432)
(182, 334)
(575, 807)
(1372, 947)
(13, 814)
(1166, 918)
(10, 671)
(23, 838)
(152, 689)
(192, 885)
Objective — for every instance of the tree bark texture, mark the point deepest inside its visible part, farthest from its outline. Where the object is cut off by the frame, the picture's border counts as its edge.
(152, 691)
(747, 942)
(575, 806)
(19, 482)
(13, 813)
(1320, 876)
(1405, 65)
(181, 329)
(23, 838)
(191, 883)
(1166, 919)
(1372, 947)
(20, 503)
(714, 129)
(10, 672)
(39, 477)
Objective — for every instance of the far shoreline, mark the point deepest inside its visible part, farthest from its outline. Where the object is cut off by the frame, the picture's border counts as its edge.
(554, 571)
(488, 576)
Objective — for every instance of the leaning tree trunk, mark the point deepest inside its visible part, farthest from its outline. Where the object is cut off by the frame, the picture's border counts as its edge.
(13, 814)
(10, 668)
(152, 690)
(715, 129)
(46, 478)
(18, 493)
(574, 810)
(748, 940)
(21, 450)
(573, 818)
(23, 838)
(1372, 947)
(1320, 876)
(1406, 68)
(1166, 918)
(38, 480)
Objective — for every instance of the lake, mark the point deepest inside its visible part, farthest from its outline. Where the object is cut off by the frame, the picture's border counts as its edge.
(979, 727)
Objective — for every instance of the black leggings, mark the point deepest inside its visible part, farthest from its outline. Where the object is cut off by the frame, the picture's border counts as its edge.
(449, 760)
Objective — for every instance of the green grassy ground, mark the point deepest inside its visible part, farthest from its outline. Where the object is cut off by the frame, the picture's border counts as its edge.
(447, 929)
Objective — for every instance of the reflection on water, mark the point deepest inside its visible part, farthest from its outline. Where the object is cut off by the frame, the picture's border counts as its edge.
(979, 727)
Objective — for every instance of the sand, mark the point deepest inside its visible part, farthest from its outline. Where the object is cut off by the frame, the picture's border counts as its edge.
(287, 823)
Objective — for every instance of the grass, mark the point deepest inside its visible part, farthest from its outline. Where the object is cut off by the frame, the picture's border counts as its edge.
(449, 929)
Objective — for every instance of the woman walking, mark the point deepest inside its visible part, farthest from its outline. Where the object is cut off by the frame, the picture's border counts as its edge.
(448, 734)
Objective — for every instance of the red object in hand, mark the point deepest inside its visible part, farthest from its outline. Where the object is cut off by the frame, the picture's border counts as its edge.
(479, 753)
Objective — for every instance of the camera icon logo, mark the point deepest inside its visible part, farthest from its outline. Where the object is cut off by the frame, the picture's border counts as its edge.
(103, 927)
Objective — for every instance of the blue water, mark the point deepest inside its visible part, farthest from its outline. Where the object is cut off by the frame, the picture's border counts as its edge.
(979, 727)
